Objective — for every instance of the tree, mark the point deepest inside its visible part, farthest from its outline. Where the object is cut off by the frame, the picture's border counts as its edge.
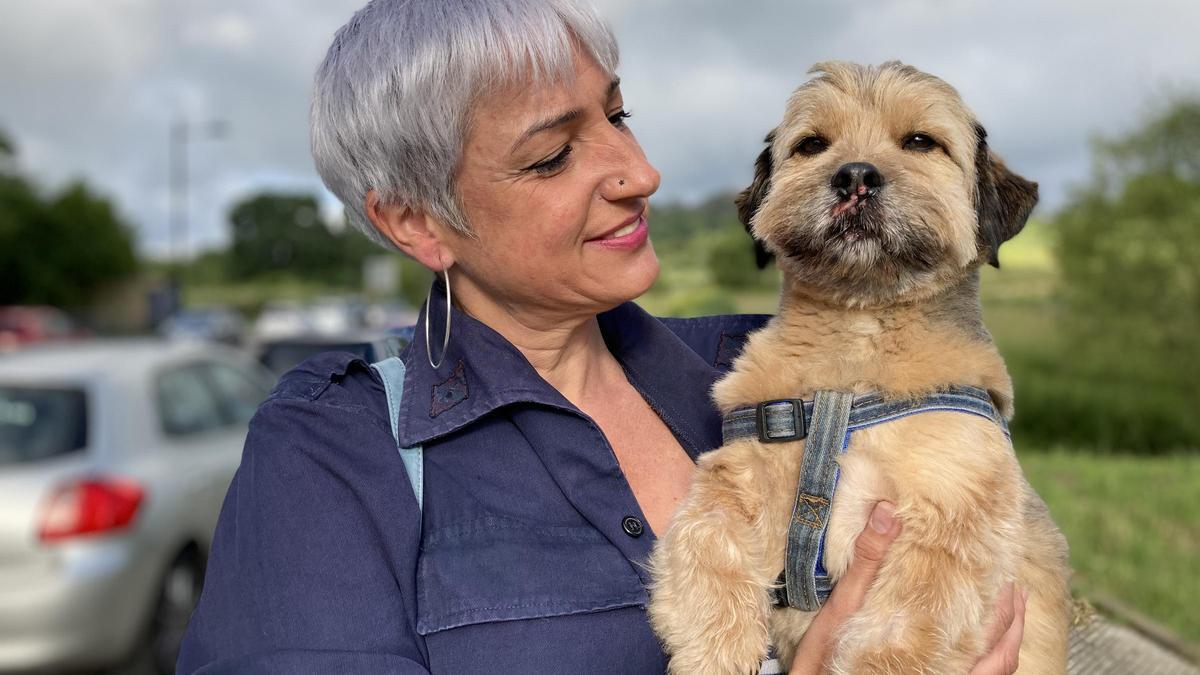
(285, 234)
(732, 262)
(1168, 144)
(7, 149)
(675, 224)
(1128, 244)
(59, 250)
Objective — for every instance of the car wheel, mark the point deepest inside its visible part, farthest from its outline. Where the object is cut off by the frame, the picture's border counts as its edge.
(177, 598)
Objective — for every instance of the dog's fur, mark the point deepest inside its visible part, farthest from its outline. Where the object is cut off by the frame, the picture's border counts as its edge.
(879, 298)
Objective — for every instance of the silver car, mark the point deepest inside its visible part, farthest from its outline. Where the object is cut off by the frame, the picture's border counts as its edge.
(114, 460)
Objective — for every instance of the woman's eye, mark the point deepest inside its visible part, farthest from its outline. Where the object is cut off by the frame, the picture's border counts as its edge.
(618, 118)
(553, 164)
(919, 143)
(813, 145)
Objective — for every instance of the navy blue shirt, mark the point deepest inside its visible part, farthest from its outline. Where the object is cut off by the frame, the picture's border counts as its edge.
(523, 560)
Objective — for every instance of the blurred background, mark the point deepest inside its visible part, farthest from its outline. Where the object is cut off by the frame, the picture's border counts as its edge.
(166, 250)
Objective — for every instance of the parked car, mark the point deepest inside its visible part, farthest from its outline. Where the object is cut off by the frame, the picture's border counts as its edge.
(390, 315)
(280, 355)
(336, 315)
(212, 324)
(22, 325)
(115, 457)
(281, 320)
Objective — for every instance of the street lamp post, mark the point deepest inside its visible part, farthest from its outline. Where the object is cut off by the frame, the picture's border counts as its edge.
(181, 132)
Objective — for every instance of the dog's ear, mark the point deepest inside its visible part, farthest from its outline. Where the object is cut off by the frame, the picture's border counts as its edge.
(1003, 200)
(748, 200)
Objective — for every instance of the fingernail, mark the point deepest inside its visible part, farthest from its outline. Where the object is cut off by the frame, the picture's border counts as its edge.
(881, 517)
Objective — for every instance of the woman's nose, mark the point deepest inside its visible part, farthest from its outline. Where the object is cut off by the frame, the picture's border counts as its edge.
(631, 176)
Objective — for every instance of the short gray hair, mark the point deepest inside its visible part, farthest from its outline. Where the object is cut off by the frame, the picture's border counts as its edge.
(393, 97)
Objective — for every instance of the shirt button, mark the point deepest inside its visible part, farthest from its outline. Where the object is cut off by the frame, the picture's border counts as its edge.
(632, 526)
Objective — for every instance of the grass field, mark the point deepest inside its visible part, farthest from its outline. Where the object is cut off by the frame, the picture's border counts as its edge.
(1131, 524)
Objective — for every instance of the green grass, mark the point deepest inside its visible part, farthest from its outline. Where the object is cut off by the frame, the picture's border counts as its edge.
(1133, 524)
(249, 297)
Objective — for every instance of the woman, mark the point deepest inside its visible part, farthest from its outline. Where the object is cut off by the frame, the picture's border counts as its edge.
(486, 139)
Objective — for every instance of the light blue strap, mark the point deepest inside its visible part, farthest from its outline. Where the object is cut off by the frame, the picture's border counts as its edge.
(874, 409)
(806, 589)
(827, 423)
(391, 370)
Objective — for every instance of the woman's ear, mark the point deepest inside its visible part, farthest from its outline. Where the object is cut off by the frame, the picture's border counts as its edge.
(416, 233)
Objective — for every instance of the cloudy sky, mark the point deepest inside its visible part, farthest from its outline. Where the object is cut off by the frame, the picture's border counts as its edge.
(88, 88)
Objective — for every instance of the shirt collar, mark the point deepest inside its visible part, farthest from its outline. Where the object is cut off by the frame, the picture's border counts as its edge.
(674, 379)
(482, 371)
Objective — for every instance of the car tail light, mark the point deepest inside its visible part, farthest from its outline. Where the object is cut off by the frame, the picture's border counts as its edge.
(90, 506)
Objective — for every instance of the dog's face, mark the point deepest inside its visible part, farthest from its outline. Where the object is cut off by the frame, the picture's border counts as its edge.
(878, 187)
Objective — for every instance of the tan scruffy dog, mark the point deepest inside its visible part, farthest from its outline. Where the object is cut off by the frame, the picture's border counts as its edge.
(880, 200)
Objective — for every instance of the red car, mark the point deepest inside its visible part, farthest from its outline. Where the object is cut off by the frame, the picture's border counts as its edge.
(22, 325)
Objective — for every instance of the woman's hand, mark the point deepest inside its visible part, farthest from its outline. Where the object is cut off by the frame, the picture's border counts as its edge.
(1005, 634)
(817, 644)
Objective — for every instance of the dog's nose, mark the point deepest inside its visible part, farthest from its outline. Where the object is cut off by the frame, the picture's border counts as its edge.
(853, 177)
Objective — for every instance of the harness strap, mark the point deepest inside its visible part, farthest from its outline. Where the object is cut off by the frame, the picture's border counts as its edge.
(827, 422)
(805, 587)
(787, 419)
(391, 371)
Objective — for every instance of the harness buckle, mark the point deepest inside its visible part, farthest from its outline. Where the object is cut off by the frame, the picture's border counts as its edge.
(760, 420)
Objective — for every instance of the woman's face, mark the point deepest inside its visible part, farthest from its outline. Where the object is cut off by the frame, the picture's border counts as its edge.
(556, 188)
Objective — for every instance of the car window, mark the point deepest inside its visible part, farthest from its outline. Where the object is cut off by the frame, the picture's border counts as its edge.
(240, 394)
(187, 403)
(281, 357)
(36, 423)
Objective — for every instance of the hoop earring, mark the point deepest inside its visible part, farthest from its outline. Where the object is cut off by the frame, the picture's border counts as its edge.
(446, 341)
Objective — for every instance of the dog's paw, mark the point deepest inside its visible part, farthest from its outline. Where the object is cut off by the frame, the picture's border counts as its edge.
(724, 650)
(712, 659)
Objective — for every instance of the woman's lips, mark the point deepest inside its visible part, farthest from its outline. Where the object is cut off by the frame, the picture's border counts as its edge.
(630, 236)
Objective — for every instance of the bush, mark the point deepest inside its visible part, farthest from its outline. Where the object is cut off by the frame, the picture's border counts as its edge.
(731, 260)
(1063, 402)
(1128, 247)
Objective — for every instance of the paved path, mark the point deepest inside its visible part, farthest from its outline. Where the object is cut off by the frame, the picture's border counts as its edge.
(1099, 647)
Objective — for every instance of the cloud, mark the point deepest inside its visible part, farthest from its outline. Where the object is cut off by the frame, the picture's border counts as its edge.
(226, 30)
(1043, 76)
(90, 88)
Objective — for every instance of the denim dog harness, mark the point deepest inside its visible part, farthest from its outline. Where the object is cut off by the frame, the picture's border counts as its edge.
(826, 423)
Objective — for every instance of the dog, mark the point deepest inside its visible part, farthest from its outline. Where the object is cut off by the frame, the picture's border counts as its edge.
(880, 200)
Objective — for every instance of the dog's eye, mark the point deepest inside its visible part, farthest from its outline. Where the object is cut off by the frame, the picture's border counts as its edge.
(919, 143)
(813, 145)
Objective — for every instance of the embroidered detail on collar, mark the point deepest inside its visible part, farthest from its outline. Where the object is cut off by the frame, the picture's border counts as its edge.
(450, 392)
